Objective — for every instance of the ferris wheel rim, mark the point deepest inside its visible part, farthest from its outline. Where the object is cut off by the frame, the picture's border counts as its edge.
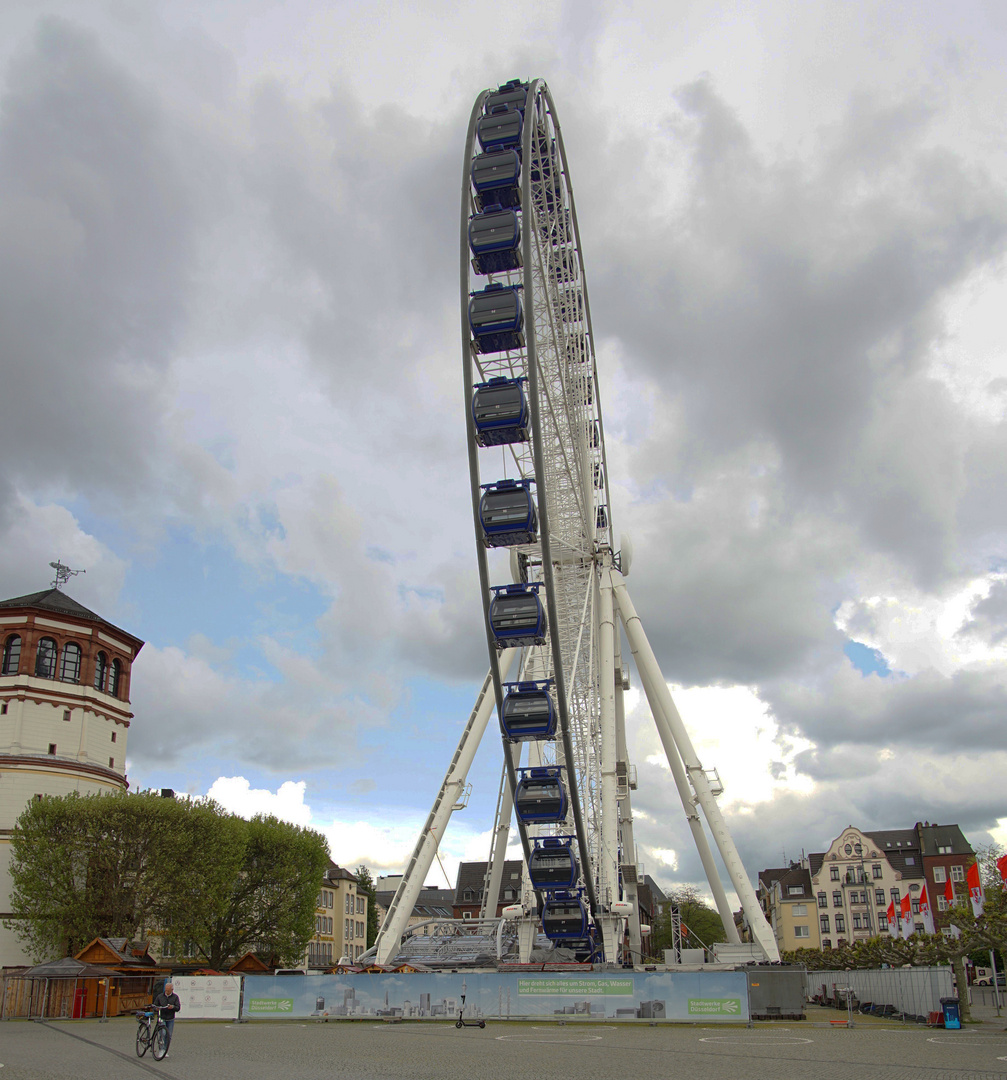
(558, 299)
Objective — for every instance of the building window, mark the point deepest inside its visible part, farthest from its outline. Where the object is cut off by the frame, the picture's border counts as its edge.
(823, 900)
(45, 659)
(69, 667)
(798, 910)
(882, 922)
(879, 897)
(113, 736)
(114, 678)
(910, 860)
(346, 928)
(3, 708)
(111, 762)
(895, 895)
(940, 875)
(66, 714)
(52, 748)
(826, 943)
(795, 890)
(840, 924)
(11, 655)
(823, 923)
(100, 671)
(876, 871)
(856, 920)
(957, 873)
(834, 873)
(916, 907)
(802, 932)
(942, 902)
(944, 849)
(346, 904)
(837, 899)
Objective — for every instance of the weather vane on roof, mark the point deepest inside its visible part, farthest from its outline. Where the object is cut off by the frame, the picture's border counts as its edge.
(63, 574)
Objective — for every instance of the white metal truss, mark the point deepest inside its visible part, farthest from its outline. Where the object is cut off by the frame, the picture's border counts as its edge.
(582, 588)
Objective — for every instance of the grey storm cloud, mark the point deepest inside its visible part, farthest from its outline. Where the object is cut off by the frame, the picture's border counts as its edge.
(768, 322)
(797, 304)
(94, 243)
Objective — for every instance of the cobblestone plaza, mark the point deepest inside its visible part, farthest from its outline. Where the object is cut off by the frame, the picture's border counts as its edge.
(88, 1050)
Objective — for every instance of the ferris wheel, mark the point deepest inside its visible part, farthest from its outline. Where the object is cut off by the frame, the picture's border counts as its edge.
(551, 580)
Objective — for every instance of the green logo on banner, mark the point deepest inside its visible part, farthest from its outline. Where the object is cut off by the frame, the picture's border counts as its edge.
(270, 1005)
(573, 987)
(714, 1006)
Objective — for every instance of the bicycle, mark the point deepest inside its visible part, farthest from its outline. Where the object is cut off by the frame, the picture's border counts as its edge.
(152, 1033)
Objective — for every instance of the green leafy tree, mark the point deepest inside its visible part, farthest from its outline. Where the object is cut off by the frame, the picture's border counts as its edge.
(701, 924)
(130, 865)
(365, 885)
(88, 866)
(271, 907)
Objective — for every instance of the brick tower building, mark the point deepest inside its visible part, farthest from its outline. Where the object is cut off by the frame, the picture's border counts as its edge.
(64, 713)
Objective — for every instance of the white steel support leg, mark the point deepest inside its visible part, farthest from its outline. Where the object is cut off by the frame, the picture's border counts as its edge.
(689, 806)
(657, 689)
(626, 838)
(608, 857)
(501, 834)
(397, 919)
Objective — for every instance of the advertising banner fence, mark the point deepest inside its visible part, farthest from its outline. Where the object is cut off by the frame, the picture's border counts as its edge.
(721, 995)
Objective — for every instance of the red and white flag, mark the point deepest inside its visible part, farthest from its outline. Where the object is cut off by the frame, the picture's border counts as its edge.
(907, 915)
(976, 894)
(928, 915)
(1002, 867)
(949, 893)
(893, 920)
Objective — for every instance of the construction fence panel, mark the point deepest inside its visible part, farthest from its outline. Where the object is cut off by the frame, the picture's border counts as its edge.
(910, 993)
(627, 996)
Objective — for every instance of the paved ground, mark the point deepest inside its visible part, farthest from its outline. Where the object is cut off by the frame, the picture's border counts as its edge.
(88, 1050)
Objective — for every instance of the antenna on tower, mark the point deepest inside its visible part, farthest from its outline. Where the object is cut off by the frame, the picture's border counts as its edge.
(63, 574)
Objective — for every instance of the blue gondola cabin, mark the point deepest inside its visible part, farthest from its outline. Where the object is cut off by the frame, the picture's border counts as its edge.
(507, 514)
(528, 712)
(553, 865)
(496, 319)
(564, 915)
(517, 617)
(540, 796)
(495, 241)
(500, 412)
(496, 178)
(512, 95)
(500, 129)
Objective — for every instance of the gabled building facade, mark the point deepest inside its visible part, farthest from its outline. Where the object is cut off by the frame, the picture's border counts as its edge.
(855, 880)
(470, 884)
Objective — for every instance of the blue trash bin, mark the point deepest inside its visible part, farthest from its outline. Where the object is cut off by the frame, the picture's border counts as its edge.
(952, 1015)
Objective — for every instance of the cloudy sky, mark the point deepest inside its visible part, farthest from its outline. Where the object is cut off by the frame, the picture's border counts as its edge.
(231, 390)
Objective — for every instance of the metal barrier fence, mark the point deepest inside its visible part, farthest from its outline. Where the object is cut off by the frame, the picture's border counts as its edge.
(908, 994)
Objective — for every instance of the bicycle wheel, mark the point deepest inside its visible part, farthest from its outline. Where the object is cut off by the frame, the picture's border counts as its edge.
(142, 1039)
(160, 1042)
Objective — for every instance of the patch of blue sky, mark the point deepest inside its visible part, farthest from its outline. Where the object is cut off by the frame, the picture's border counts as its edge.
(193, 587)
(420, 742)
(866, 660)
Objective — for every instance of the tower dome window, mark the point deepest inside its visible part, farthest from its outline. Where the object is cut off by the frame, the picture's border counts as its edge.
(115, 678)
(45, 659)
(69, 668)
(100, 671)
(11, 655)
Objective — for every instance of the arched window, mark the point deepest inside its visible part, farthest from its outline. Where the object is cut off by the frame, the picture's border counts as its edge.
(100, 671)
(114, 678)
(45, 659)
(11, 655)
(69, 668)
